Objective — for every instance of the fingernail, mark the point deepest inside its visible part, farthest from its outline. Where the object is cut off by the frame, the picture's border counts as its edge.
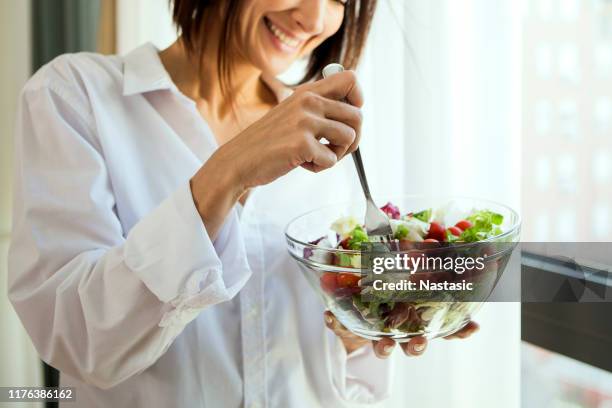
(328, 319)
(419, 347)
(388, 349)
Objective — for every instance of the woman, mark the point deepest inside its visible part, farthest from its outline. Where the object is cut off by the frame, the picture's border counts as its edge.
(144, 265)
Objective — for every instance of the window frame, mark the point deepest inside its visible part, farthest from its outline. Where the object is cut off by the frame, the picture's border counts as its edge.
(581, 331)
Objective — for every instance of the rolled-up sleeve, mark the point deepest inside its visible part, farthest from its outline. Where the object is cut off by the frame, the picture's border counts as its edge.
(173, 238)
(98, 303)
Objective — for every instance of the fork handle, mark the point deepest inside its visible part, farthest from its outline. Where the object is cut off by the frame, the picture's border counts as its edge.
(361, 172)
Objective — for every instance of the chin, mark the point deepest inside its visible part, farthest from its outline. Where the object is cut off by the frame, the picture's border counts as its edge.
(274, 68)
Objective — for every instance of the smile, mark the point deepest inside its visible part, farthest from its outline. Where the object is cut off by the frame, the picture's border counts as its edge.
(282, 35)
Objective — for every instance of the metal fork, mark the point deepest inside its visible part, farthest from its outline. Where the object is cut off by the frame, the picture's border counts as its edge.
(377, 223)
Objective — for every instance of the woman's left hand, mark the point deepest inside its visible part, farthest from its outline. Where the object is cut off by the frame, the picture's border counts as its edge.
(383, 348)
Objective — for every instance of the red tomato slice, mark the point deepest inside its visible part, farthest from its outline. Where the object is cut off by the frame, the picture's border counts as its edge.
(436, 231)
(463, 225)
(455, 231)
(328, 282)
(347, 280)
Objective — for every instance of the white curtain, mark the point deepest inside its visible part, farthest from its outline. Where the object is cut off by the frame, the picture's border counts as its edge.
(20, 365)
(139, 21)
(442, 117)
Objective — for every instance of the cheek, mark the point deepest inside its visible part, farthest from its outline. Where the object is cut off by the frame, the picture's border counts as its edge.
(333, 21)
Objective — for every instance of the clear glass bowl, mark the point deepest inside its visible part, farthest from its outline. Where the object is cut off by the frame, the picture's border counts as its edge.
(412, 315)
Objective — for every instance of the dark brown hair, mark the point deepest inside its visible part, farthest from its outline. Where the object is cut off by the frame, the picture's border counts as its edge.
(345, 46)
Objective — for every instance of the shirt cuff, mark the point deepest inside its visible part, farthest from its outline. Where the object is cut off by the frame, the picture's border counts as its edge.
(360, 377)
(171, 252)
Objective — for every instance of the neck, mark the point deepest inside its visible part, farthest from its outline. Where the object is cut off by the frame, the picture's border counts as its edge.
(198, 78)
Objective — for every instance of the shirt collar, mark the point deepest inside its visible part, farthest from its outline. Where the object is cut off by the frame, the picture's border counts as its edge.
(143, 71)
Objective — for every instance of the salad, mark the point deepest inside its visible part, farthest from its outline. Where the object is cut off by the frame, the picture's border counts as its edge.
(380, 310)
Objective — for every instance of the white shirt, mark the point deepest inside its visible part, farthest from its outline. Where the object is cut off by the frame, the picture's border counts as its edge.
(115, 278)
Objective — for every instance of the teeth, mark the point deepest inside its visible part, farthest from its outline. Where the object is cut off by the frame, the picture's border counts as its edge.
(290, 42)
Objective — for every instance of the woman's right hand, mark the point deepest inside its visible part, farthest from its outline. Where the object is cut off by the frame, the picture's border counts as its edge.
(288, 136)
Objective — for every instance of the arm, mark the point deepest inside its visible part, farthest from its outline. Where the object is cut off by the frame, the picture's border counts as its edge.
(98, 305)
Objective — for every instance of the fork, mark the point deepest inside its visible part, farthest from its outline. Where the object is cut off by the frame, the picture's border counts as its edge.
(377, 223)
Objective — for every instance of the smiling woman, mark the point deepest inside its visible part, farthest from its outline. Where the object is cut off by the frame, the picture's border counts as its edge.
(273, 34)
(159, 276)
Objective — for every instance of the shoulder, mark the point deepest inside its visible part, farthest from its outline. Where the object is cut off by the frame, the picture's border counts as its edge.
(73, 68)
(74, 77)
(76, 73)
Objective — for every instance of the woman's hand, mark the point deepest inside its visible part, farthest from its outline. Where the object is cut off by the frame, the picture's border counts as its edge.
(383, 348)
(288, 136)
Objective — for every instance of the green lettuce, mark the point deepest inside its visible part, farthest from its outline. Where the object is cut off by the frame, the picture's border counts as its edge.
(485, 224)
(358, 236)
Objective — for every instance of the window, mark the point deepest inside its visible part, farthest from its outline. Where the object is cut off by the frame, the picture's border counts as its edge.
(567, 126)
(554, 380)
(567, 144)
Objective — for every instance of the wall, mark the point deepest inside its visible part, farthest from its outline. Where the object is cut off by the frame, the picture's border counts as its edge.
(19, 364)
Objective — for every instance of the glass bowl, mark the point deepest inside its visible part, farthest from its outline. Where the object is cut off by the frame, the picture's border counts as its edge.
(401, 315)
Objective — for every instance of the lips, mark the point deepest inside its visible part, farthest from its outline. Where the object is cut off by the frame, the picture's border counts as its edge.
(284, 37)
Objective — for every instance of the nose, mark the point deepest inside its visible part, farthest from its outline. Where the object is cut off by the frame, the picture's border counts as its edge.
(310, 16)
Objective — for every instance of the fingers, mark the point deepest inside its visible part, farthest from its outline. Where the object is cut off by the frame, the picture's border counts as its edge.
(318, 156)
(339, 135)
(338, 122)
(383, 347)
(327, 117)
(338, 328)
(351, 341)
(465, 332)
(334, 325)
(340, 86)
(346, 114)
(415, 347)
(342, 112)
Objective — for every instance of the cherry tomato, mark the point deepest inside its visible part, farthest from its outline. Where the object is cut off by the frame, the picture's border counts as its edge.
(344, 243)
(456, 231)
(436, 231)
(328, 282)
(463, 225)
(347, 280)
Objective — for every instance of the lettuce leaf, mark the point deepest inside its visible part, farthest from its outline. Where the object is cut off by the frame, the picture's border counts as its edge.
(357, 237)
(485, 224)
(401, 232)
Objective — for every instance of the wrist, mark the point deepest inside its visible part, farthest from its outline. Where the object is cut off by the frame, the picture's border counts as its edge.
(215, 189)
